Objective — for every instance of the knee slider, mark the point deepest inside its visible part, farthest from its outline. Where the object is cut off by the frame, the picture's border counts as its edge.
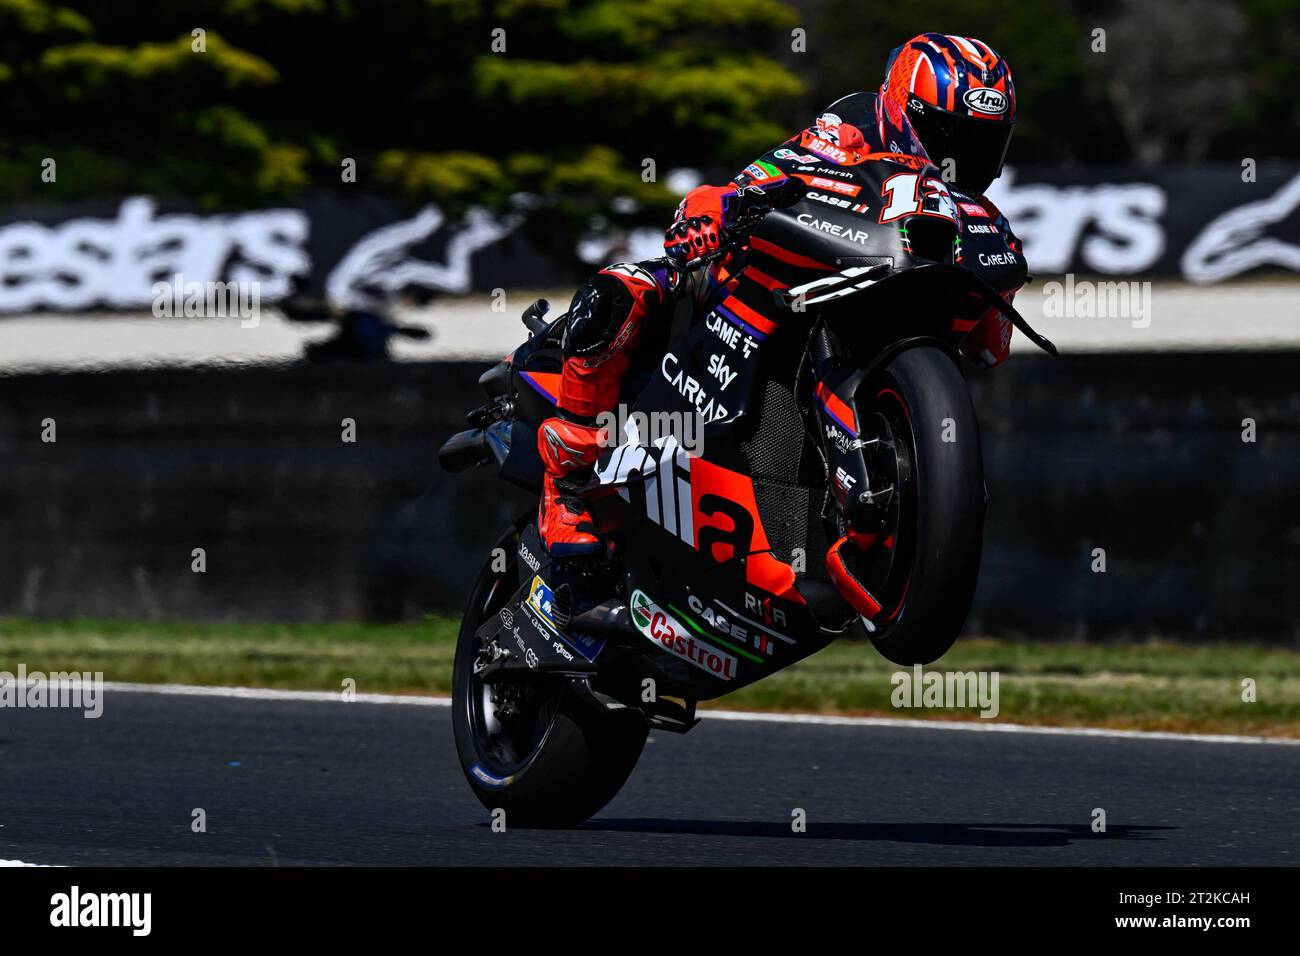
(597, 312)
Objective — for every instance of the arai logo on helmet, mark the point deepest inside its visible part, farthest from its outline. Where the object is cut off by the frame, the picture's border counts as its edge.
(986, 100)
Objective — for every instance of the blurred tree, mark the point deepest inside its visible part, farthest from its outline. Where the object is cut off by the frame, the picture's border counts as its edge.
(1266, 121)
(457, 101)
(1174, 94)
(476, 101)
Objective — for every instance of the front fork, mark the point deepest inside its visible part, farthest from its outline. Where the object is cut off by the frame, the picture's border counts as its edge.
(853, 440)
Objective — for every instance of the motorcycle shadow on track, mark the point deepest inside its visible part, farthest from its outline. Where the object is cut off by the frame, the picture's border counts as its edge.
(943, 834)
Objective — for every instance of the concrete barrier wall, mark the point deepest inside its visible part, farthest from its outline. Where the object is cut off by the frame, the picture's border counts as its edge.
(1141, 455)
(250, 466)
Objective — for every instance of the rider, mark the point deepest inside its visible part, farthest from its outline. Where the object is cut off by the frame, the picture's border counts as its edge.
(947, 99)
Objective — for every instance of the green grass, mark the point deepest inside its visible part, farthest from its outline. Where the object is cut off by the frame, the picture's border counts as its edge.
(410, 657)
(1151, 686)
(1148, 686)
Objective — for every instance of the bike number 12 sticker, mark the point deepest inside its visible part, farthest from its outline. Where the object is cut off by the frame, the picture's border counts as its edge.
(911, 194)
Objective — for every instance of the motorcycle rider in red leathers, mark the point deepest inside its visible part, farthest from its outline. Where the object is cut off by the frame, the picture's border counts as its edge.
(947, 99)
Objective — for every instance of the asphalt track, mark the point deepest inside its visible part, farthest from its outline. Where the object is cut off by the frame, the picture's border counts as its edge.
(289, 781)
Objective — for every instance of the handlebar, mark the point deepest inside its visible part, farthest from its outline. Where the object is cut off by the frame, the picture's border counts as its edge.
(533, 317)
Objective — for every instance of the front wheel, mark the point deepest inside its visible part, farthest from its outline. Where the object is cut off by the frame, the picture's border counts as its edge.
(529, 745)
(927, 561)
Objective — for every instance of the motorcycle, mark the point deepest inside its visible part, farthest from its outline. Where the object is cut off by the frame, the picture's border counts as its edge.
(837, 489)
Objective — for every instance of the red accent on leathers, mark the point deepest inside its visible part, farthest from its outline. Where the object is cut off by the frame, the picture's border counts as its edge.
(589, 384)
(704, 201)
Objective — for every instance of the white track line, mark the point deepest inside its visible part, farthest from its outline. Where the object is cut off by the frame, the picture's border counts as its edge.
(267, 693)
(412, 700)
(994, 727)
(11, 863)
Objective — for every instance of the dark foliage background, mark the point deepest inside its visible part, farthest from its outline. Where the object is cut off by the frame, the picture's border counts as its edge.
(585, 90)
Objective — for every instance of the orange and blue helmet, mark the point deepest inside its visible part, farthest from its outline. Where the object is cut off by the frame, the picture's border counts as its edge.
(958, 95)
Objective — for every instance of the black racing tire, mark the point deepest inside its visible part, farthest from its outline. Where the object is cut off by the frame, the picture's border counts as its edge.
(564, 758)
(923, 403)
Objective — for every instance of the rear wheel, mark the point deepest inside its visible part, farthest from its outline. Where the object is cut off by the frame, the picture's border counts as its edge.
(925, 565)
(529, 745)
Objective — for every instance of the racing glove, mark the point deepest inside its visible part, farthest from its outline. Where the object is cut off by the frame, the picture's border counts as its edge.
(698, 233)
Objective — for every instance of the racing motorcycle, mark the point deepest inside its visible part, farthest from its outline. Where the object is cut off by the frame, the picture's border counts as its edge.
(838, 488)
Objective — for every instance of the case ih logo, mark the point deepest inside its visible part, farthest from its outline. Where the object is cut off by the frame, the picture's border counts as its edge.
(986, 100)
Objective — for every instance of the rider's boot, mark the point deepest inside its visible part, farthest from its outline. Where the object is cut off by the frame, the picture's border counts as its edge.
(568, 450)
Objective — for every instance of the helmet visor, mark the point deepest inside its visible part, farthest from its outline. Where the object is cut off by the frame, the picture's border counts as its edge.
(976, 147)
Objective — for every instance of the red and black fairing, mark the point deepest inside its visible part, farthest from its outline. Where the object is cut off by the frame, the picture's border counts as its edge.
(726, 549)
(717, 566)
(729, 545)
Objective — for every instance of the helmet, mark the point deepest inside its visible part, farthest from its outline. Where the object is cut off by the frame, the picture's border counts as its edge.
(957, 94)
